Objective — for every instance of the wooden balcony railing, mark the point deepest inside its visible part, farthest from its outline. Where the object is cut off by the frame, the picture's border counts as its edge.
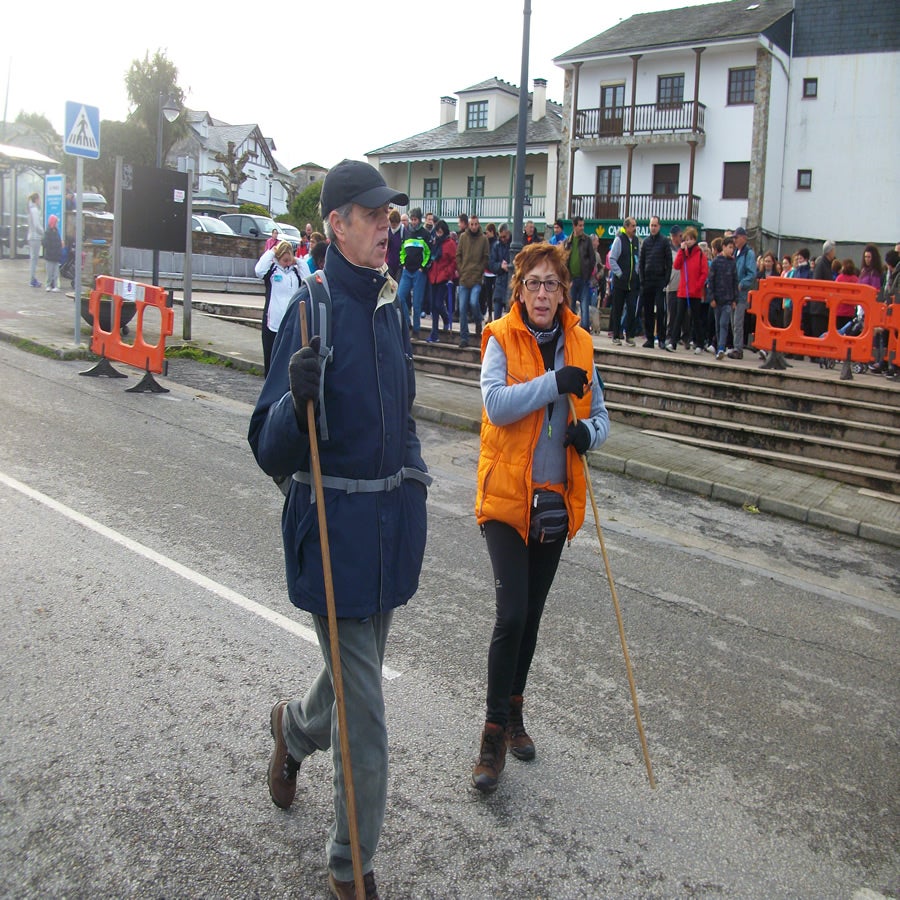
(648, 118)
(488, 209)
(681, 207)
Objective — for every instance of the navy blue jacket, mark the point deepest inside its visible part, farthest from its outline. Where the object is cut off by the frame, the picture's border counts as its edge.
(376, 540)
(500, 253)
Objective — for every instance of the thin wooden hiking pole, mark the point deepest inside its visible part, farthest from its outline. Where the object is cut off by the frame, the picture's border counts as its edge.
(349, 790)
(615, 601)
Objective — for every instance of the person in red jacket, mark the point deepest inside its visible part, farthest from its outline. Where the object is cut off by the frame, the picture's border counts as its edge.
(694, 267)
(441, 276)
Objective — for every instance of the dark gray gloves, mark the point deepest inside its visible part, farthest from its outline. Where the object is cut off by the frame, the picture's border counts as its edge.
(578, 436)
(303, 371)
(571, 380)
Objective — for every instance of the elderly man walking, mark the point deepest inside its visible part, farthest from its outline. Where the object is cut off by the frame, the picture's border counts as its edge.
(375, 484)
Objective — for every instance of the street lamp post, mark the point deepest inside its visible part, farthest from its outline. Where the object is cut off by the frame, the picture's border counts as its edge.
(168, 108)
(234, 187)
(519, 196)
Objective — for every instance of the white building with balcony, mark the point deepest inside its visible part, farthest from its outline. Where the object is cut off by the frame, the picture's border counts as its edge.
(269, 182)
(737, 113)
(467, 164)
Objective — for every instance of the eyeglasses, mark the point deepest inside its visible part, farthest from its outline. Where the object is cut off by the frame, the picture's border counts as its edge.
(551, 285)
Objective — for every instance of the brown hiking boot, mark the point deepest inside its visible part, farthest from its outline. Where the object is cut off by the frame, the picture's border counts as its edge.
(520, 745)
(346, 890)
(282, 766)
(491, 758)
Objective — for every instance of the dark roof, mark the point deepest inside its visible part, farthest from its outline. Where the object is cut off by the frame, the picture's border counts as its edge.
(448, 138)
(876, 29)
(492, 84)
(708, 23)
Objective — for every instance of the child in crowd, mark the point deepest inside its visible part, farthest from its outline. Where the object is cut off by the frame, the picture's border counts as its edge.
(723, 292)
(52, 244)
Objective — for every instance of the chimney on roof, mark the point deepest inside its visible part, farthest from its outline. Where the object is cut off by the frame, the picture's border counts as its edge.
(539, 99)
(448, 110)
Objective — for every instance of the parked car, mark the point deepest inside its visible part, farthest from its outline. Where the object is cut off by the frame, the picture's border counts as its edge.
(291, 234)
(95, 205)
(250, 226)
(210, 224)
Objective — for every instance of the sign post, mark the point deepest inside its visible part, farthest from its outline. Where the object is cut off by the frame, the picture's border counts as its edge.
(82, 141)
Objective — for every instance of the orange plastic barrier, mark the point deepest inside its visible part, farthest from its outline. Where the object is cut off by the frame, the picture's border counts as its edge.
(831, 344)
(141, 355)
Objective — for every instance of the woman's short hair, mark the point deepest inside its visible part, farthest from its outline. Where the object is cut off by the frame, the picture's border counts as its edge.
(530, 257)
(690, 233)
(281, 248)
(394, 217)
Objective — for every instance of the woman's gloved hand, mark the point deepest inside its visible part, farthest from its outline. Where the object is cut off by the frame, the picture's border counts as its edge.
(578, 436)
(571, 380)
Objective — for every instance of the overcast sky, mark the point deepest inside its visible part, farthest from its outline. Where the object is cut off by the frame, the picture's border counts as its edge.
(371, 73)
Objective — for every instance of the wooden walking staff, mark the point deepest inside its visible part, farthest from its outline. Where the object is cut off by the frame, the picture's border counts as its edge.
(615, 601)
(316, 471)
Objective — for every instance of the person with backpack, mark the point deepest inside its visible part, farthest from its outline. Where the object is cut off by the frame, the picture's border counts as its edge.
(624, 263)
(282, 273)
(375, 485)
(415, 258)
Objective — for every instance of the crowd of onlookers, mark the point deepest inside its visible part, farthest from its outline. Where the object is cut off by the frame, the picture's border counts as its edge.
(667, 290)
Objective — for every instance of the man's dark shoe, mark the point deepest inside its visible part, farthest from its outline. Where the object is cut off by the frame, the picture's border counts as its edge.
(735, 354)
(282, 766)
(520, 745)
(346, 890)
(491, 758)
(647, 345)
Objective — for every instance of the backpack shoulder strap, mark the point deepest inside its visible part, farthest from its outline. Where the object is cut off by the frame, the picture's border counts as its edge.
(321, 324)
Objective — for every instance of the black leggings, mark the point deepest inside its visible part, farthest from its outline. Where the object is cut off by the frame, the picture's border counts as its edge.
(522, 578)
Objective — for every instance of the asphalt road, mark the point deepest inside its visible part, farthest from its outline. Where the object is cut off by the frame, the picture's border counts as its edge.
(146, 633)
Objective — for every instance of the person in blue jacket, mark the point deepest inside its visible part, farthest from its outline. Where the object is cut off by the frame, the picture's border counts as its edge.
(375, 484)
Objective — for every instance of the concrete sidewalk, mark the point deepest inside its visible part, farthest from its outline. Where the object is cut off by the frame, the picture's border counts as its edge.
(46, 321)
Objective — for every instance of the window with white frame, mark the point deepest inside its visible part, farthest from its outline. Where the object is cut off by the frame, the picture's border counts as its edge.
(477, 114)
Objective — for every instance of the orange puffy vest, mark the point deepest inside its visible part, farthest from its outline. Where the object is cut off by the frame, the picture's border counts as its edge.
(507, 451)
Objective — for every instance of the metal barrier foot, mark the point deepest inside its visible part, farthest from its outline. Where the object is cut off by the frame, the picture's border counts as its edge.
(147, 385)
(103, 369)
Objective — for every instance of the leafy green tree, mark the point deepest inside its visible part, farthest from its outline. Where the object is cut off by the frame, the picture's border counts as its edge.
(145, 80)
(125, 139)
(232, 171)
(41, 125)
(253, 209)
(305, 207)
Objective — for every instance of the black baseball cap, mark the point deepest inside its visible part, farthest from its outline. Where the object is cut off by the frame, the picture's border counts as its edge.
(675, 229)
(352, 181)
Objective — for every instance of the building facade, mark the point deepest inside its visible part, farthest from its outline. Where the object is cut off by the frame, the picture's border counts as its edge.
(733, 114)
(269, 183)
(468, 163)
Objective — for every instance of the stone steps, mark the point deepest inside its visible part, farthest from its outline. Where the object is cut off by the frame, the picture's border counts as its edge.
(799, 418)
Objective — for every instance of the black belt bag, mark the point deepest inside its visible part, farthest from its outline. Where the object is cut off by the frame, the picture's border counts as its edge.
(549, 518)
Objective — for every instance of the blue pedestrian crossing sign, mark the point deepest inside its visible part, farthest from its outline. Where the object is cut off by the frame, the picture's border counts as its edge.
(82, 130)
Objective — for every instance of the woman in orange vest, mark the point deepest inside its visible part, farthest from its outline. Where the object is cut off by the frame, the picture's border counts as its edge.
(531, 487)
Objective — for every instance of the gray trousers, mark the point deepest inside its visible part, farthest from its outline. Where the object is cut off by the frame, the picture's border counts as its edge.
(737, 322)
(34, 251)
(311, 724)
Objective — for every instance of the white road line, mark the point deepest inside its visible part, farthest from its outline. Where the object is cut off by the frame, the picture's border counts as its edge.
(226, 593)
